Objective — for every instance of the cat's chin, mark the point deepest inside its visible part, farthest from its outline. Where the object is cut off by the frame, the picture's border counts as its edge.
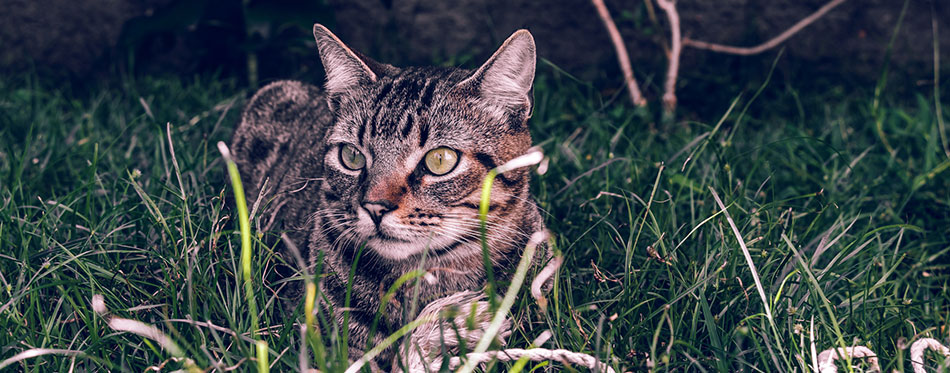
(395, 249)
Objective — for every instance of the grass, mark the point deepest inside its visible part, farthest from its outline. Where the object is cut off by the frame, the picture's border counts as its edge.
(720, 243)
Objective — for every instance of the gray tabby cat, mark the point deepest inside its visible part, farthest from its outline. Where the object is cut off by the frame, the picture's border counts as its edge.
(393, 159)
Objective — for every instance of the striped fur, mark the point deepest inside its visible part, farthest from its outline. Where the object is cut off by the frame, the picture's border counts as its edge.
(291, 134)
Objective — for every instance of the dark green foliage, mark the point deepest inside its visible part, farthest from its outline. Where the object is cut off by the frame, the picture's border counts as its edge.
(91, 202)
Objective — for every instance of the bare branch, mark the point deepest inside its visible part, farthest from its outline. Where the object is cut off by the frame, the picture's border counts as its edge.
(622, 56)
(676, 41)
(938, 111)
(747, 51)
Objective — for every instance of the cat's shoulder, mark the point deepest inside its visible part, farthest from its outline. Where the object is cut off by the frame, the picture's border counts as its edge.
(280, 134)
(279, 102)
(279, 114)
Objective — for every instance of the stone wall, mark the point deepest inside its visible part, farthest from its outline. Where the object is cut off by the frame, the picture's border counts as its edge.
(64, 35)
(74, 36)
(852, 37)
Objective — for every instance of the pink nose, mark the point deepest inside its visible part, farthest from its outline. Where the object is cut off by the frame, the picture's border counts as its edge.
(377, 209)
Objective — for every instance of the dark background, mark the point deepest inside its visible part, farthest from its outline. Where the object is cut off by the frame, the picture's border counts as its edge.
(92, 41)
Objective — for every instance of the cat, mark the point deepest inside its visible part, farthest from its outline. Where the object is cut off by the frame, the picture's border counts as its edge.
(388, 163)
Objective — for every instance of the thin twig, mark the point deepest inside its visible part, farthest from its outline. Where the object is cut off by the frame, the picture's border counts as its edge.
(746, 51)
(622, 56)
(676, 41)
(937, 107)
(651, 14)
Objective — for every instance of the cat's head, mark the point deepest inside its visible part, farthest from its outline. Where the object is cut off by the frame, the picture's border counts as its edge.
(409, 148)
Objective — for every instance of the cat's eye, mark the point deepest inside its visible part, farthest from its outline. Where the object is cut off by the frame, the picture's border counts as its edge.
(441, 161)
(351, 157)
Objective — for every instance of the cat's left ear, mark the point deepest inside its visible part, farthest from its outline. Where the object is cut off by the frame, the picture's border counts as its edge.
(508, 75)
(345, 68)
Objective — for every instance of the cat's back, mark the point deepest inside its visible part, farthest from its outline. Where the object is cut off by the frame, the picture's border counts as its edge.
(280, 140)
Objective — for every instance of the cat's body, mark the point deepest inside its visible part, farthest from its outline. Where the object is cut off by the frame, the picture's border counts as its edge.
(393, 160)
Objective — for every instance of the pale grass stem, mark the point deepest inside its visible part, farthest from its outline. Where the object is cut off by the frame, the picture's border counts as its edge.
(755, 273)
(245, 227)
(532, 157)
(145, 331)
(37, 352)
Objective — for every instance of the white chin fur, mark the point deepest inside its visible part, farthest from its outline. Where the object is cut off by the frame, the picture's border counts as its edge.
(403, 244)
(396, 250)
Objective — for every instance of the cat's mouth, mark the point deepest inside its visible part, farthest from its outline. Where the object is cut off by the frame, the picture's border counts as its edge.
(397, 239)
(396, 246)
(381, 234)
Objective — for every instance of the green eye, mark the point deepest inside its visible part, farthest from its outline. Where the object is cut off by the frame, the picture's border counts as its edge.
(441, 161)
(351, 157)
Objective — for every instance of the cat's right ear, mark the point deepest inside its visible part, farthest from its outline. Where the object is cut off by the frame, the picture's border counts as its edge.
(345, 69)
(508, 75)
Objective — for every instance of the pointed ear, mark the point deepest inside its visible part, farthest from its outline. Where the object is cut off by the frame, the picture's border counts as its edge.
(507, 76)
(345, 69)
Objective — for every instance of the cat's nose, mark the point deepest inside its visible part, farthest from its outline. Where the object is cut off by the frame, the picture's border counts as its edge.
(377, 209)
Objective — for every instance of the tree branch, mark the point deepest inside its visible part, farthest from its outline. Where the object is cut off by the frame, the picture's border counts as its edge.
(622, 56)
(676, 41)
(747, 51)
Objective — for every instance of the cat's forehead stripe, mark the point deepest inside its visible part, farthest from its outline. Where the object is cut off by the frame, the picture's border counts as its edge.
(426, 96)
(384, 91)
(423, 134)
(361, 132)
(389, 108)
(408, 126)
(397, 100)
